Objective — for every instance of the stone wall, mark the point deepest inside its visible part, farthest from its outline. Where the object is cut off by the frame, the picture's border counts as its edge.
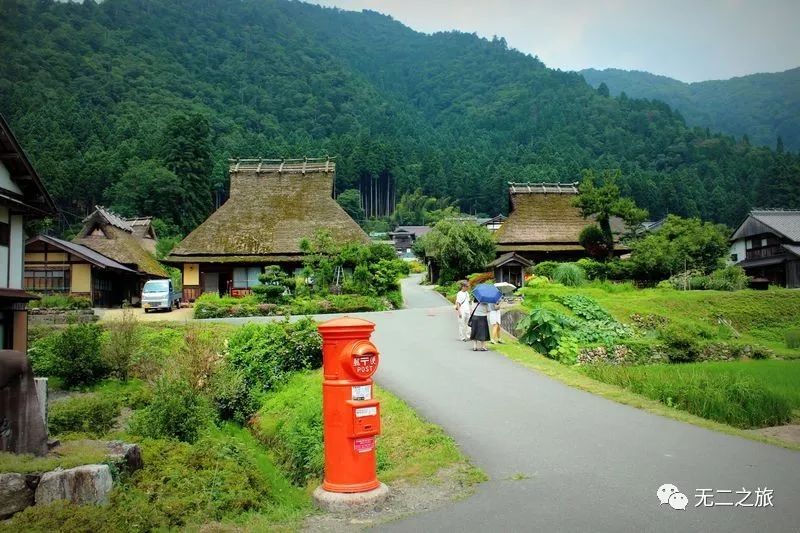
(37, 317)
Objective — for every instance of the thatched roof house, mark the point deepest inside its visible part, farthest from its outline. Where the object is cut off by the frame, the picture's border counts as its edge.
(273, 206)
(543, 224)
(117, 238)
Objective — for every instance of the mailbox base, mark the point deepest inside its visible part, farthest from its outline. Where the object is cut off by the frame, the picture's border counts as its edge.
(353, 501)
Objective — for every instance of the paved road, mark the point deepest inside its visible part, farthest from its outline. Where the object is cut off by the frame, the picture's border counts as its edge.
(588, 464)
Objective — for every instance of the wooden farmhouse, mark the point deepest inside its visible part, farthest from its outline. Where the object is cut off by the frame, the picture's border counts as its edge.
(273, 206)
(767, 245)
(109, 261)
(404, 237)
(543, 225)
(22, 198)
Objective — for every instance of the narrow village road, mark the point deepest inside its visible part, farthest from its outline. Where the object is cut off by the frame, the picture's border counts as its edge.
(561, 459)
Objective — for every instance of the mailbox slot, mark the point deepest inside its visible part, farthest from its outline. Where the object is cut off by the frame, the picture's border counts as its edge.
(365, 419)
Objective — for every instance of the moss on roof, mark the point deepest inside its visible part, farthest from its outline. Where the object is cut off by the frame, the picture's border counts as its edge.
(545, 218)
(121, 246)
(268, 214)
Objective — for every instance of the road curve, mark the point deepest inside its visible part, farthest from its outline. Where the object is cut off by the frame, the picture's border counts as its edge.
(561, 459)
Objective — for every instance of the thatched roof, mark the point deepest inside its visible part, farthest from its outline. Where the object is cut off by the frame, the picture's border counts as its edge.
(273, 205)
(543, 218)
(113, 236)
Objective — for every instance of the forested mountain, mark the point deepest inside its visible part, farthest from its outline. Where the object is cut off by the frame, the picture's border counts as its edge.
(138, 104)
(761, 106)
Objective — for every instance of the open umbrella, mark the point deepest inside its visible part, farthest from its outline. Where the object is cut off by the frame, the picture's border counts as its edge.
(486, 293)
(505, 288)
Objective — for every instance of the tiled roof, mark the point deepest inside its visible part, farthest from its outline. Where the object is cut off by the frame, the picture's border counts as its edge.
(787, 223)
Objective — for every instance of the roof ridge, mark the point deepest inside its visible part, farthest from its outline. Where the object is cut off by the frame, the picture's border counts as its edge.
(542, 187)
(113, 218)
(302, 166)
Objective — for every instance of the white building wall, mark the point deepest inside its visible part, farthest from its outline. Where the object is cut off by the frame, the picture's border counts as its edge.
(738, 249)
(16, 260)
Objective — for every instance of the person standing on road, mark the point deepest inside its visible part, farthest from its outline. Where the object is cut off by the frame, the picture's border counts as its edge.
(463, 308)
(480, 327)
(494, 323)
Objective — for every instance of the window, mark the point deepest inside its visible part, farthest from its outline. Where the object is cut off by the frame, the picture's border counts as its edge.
(734, 258)
(749, 244)
(246, 278)
(5, 234)
(47, 280)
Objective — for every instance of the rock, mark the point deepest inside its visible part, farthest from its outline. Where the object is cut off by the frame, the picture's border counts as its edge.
(82, 484)
(15, 494)
(127, 457)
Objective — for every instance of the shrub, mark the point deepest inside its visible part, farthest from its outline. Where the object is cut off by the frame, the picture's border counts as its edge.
(274, 283)
(730, 278)
(760, 352)
(122, 344)
(477, 279)
(232, 397)
(593, 269)
(265, 353)
(545, 268)
(60, 301)
(74, 355)
(569, 274)
(792, 338)
(542, 329)
(416, 267)
(91, 413)
(594, 241)
(395, 298)
(177, 410)
(682, 345)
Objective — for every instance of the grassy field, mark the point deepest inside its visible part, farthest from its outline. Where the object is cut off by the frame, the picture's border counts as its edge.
(759, 317)
(744, 394)
(409, 448)
(572, 376)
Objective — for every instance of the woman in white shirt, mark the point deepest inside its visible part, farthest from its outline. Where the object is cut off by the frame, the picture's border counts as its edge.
(463, 309)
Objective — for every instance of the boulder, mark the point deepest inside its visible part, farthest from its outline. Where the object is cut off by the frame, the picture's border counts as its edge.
(15, 494)
(81, 485)
(126, 457)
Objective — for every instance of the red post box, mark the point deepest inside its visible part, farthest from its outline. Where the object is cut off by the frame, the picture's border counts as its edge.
(350, 414)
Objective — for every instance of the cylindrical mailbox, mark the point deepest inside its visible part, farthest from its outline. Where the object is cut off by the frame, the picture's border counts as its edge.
(351, 415)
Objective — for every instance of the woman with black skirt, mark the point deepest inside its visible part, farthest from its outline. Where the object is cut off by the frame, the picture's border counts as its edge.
(480, 327)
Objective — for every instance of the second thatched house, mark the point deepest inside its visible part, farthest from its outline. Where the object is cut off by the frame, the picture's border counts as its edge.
(543, 224)
(108, 262)
(273, 206)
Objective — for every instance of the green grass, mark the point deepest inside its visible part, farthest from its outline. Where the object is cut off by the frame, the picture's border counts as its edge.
(409, 448)
(68, 455)
(761, 317)
(225, 478)
(571, 376)
(730, 396)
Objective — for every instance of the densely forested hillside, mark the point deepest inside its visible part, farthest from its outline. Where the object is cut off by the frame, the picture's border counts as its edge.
(123, 102)
(761, 106)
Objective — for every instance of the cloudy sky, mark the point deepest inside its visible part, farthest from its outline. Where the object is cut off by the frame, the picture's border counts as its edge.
(684, 39)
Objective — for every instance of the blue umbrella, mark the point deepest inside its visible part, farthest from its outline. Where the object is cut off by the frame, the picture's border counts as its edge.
(486, 293)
